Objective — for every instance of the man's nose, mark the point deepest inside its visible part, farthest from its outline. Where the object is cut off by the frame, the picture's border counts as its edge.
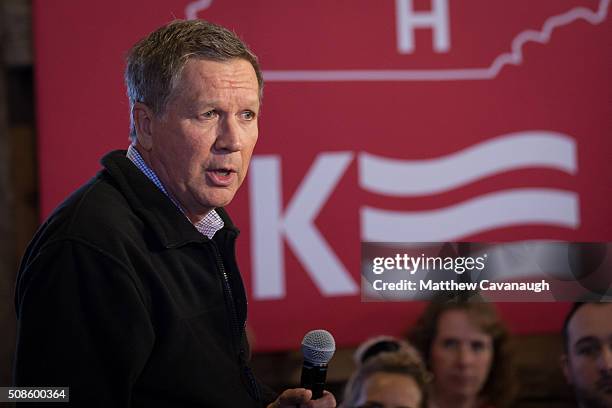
(229, 136)
(605, 359)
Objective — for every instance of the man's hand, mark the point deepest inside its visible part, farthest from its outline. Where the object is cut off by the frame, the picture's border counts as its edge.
(301, 397)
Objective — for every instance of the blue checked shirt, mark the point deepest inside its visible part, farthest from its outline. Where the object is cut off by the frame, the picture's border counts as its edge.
(209, 225)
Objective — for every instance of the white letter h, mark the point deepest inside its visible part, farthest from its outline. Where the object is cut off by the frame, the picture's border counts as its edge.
(407, 20)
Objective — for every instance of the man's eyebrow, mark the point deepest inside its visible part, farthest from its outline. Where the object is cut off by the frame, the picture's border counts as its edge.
(586, 340)
(251, 103)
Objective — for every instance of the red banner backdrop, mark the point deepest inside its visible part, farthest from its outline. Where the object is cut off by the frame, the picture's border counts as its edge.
(406, 120)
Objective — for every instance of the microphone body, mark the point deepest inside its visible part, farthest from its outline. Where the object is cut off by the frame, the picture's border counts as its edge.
(313, 378)
(318, 348)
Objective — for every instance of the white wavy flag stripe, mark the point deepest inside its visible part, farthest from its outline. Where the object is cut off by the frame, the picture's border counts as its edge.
(487, 212)
(514, 151)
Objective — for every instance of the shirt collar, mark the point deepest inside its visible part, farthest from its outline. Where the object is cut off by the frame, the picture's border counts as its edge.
(208, 225)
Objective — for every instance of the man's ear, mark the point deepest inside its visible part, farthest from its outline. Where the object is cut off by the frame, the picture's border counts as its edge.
(143, 117)
(564, 363)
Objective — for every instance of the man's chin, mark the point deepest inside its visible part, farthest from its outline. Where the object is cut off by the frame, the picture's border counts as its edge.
(218, 198)
(594, 399)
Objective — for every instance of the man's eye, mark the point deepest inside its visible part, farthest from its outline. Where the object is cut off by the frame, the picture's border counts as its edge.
(248, 115)
(588, 350)
(211, 114)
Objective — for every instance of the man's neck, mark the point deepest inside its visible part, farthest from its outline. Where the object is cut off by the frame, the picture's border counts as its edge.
(144, 154)
(207, 223)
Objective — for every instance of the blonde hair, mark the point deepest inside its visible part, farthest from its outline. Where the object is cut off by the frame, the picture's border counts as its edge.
(404, 361)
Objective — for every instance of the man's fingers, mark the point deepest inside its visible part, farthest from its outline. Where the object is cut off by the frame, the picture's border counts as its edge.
(289, 398)
(326, 401)
(302, 397)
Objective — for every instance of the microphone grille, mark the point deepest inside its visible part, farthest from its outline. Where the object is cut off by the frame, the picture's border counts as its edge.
(318, 346)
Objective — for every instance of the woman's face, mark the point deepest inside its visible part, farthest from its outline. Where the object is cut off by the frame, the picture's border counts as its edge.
(461, 356)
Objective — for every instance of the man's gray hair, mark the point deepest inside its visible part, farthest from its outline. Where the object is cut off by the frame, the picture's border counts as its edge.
(155, 63)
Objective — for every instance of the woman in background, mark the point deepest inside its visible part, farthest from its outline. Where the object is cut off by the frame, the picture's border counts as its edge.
(465, 347)
(390, 374)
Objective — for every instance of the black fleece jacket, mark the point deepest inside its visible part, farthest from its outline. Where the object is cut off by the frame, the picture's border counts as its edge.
(120, 298)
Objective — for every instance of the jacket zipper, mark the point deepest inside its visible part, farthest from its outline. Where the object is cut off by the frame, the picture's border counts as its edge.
(255, 392)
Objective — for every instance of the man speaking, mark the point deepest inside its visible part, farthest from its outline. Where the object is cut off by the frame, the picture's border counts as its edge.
(130, 293)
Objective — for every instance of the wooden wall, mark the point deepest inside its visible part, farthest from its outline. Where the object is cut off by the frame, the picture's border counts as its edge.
(18, 203)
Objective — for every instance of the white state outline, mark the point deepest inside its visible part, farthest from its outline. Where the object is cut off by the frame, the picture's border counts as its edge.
(192, 9)
(515, 57)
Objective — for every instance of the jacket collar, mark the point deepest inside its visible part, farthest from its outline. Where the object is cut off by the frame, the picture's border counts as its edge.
(168, 223)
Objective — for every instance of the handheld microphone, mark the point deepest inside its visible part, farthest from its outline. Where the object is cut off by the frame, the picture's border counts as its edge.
(318, 348)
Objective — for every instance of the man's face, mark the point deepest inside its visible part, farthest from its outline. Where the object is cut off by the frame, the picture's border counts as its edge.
(390, 390)
(588, 364)
(461, 356)
(202, 143)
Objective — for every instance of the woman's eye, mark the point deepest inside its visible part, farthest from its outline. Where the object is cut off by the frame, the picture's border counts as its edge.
(478, 346)
(450, 343)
